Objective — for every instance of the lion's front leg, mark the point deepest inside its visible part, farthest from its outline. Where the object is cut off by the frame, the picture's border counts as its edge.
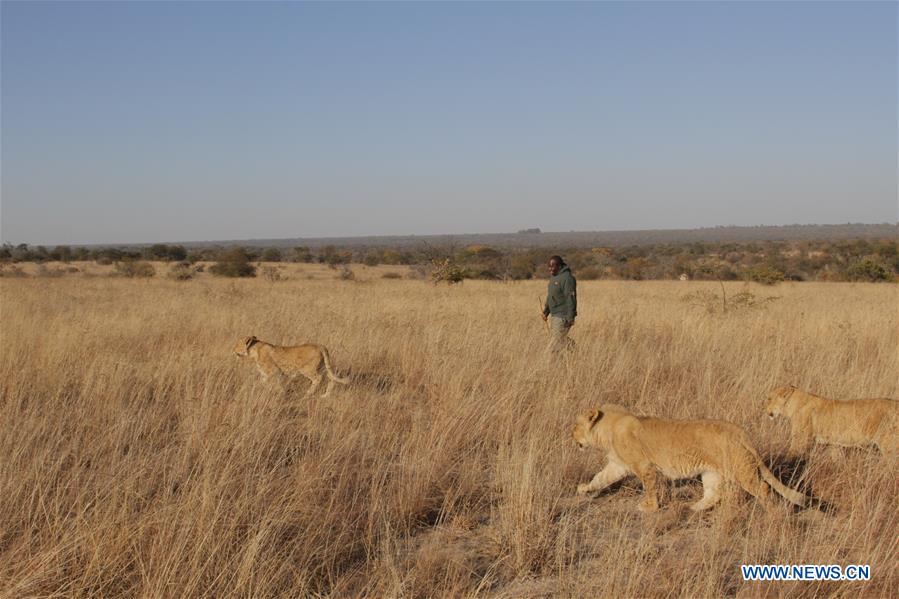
(611, 474)
(801, 439)
(649, 477)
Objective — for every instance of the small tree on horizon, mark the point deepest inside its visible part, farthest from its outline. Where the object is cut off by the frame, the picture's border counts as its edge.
(234, 263)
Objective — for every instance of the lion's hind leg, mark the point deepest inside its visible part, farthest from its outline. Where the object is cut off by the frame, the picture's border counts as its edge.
(711, 491)
(316, 381)
(748, 478)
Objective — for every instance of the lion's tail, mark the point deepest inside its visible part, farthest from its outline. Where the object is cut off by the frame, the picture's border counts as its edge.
(330, 370)
(794, 497)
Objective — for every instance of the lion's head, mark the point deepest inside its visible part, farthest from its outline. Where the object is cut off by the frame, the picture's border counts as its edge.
(583, 426)
(777, 400)
(242, 347)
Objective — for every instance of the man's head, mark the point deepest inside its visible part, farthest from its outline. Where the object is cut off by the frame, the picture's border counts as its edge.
(555, 265)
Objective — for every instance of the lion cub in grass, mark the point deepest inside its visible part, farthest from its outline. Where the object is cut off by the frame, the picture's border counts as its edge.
(835, 421)
(285, 362)
(718, 451)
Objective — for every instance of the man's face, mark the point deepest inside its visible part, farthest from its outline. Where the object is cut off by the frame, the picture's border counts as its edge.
(554, 267)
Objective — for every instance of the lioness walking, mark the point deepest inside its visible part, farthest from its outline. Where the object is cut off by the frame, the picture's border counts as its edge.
(716, 450)
(286, 362)
(854, 422)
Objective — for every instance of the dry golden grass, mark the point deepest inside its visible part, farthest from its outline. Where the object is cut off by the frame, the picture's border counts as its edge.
(138, 457)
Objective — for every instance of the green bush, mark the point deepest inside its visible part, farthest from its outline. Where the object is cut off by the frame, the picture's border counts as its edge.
(447, 271)
(484, 272)
(182, 271)
(302, 254)
(766, 275)
(867, 270)
(522, 267)
(590, 273)
(271, 255)
(371, 260)
(135, 269)
(161, 251)
(233, 263)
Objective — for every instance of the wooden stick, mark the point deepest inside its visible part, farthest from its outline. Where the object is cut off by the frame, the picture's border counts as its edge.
(545, 322)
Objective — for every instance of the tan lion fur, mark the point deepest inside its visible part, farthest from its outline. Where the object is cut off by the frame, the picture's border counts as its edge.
(717, 451)
(286, 362)
(847, 423)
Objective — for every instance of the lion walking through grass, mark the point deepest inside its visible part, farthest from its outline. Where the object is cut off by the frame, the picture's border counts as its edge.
(718, 451)
(285, 362)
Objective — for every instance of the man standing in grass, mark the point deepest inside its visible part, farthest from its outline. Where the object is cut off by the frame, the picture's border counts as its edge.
(561, 304)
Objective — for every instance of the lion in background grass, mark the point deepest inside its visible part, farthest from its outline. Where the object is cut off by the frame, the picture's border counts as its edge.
(286, 362)
(848, 423)
(717, 451)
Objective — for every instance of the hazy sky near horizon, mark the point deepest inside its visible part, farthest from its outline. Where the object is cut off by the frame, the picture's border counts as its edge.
(180, 121)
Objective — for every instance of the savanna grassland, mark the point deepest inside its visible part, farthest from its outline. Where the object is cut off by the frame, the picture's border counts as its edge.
(140, 457)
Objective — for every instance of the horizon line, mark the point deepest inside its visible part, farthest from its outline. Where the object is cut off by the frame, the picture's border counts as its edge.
(444, 235)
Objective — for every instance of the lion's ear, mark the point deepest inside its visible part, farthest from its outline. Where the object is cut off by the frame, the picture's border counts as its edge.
(594, 417)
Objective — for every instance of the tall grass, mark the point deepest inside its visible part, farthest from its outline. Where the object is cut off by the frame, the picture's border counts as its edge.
(139, 457)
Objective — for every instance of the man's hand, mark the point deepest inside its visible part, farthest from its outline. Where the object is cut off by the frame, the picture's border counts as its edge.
(543, 316)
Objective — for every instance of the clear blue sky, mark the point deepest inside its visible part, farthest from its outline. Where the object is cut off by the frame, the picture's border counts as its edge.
(142, 122)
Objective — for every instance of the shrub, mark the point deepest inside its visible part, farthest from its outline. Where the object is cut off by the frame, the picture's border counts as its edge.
(867, 270)
(135, 269)
(302, 254)
(271, 255)
(447, 271)
(371, 260)
(161, 251)
(484, 272)
(766, 275)
(391, 275)
(331, 256)
(181, 271)
(481, 251)
(591, 273)
(522, 267)
(233, 263)
(346, 274)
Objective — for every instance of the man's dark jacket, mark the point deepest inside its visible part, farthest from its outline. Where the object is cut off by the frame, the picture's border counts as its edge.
(561, 298)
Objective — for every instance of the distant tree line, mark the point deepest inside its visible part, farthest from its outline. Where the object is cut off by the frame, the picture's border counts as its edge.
(106, 255)
(764, 262)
